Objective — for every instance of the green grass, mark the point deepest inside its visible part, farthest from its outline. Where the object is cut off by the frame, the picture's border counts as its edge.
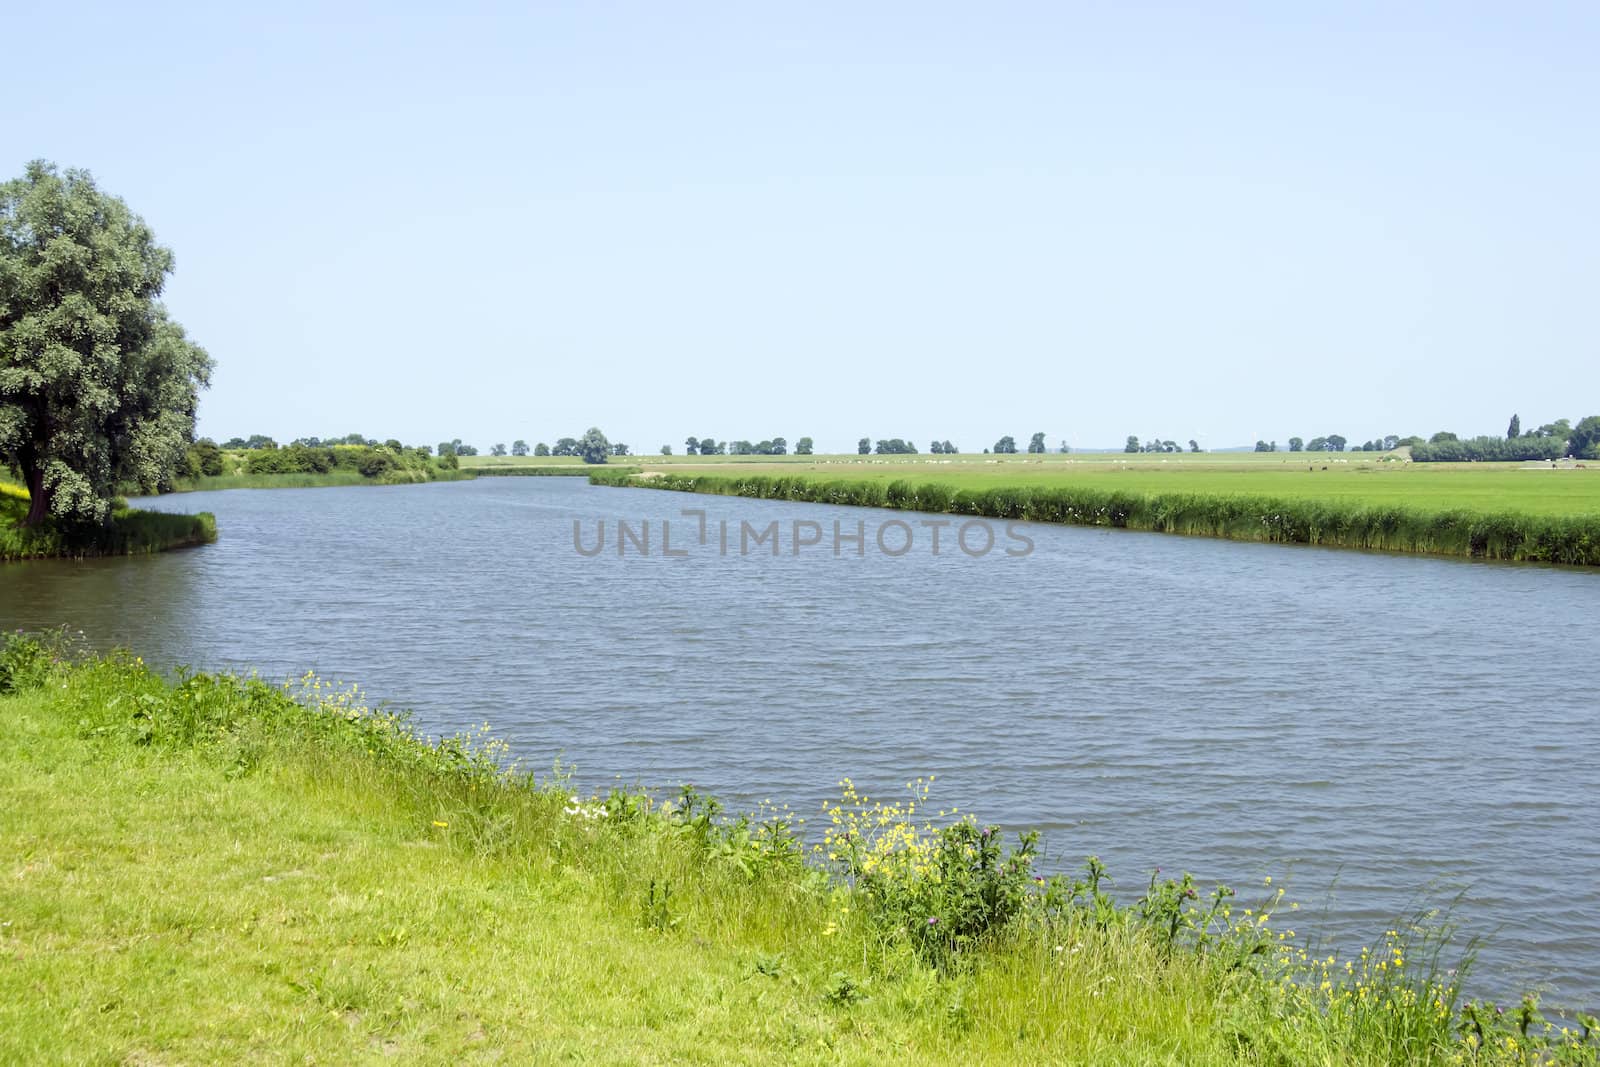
(269, 481)
(1350, 477)
(1478, 487)
(212, 871)
(1353, 477)
(130, 532)
(1476, 510)
(308, 480)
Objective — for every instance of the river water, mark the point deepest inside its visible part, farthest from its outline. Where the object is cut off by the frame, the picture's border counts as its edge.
(1374, 731)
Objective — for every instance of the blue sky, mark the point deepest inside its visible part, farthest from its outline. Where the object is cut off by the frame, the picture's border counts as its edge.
(910, 220)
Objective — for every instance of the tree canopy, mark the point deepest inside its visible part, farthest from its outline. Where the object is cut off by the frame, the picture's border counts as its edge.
(593, 446)
(98, 387)
(1585, 440)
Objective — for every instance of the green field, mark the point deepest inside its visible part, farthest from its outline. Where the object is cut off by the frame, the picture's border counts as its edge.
(215, 870)
(1353, 477)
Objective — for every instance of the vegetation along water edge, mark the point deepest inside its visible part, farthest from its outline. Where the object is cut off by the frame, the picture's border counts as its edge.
(210, 866)
(1340, 523)
(123, 532)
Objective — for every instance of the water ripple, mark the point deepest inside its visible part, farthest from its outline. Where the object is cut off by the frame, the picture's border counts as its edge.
(1375, 729)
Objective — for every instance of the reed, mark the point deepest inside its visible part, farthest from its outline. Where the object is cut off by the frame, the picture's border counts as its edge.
(128, 532)
(1336, 523)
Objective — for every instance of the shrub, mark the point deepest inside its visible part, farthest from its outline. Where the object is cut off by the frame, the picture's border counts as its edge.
(1489, 449)
(375, 464)
(203, 460)
(25, 662)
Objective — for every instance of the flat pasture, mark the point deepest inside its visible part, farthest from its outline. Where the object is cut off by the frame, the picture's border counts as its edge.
(1349, 477)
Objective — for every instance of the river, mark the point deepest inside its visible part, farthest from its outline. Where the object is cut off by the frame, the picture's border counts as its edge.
(1374, 731)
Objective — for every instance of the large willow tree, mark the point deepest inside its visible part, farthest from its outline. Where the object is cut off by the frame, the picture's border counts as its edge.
(97, 386)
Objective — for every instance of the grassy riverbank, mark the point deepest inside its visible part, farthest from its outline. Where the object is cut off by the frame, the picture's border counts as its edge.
(1426, 526)
(312, 480)
(305, 466)
(213, 870)
(130, 532)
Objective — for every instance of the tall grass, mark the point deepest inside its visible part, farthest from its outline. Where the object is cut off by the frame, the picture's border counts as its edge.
(1571, 540)
(214, 867)
(299, 480)
(319, 480)
(129, 532)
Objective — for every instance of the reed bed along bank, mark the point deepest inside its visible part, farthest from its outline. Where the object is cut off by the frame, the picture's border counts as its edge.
(129, 532)
(317, 480)
(213, 867)
(1567, 540)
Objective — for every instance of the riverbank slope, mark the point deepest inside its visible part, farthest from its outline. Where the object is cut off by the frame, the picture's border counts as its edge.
(212, 870)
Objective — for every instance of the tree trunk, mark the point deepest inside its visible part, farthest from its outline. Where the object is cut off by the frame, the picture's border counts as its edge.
(39, 497)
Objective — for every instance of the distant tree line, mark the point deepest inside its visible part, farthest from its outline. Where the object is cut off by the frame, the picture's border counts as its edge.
(256, 440)
(1337, 443)
(775, 447)
(1485, 449)
(1156, 444)
(1552, 441)
(592, 447)
(316, 455)
(710, 446)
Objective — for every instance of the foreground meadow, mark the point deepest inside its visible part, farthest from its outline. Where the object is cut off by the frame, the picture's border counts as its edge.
(216, 869)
